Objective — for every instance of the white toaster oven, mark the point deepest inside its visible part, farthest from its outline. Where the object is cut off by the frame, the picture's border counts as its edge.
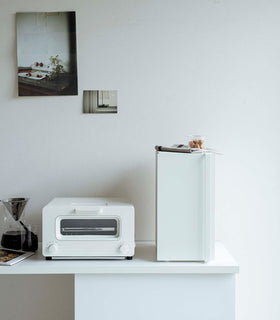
(88, 228)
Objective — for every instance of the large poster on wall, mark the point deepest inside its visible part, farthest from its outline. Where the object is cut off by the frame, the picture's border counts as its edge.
(46, 53)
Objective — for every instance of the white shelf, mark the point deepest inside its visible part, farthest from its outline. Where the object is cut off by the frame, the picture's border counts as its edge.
(144, 261)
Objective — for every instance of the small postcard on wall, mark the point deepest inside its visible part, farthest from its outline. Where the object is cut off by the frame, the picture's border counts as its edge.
(100, 101)
(46, 53)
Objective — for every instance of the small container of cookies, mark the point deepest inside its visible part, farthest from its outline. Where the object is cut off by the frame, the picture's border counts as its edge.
(196, 141)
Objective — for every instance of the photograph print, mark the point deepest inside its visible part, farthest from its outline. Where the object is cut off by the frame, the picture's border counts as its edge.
(100, 101)
(46, 53)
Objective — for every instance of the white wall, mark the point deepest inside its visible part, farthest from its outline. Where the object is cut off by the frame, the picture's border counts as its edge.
(180, 67)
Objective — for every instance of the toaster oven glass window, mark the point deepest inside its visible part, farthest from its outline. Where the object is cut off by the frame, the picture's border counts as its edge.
(92, 227)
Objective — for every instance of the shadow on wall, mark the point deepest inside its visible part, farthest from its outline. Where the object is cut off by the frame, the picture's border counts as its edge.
(37, 297)
(137, 186)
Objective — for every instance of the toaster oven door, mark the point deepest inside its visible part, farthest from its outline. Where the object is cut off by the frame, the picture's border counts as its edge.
(87, 228)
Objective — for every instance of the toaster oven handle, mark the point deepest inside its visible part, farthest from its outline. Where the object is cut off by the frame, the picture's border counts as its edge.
(87, 211)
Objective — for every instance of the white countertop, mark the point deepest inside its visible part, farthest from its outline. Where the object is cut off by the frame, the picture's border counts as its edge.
(144, 261)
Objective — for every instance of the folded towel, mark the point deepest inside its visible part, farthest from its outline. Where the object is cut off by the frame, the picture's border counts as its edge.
(180, 148)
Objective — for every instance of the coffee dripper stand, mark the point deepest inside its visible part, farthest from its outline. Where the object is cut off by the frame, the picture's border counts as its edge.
(17, 235)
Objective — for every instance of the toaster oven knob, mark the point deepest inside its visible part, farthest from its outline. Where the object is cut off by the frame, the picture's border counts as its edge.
(52, 248)
(125, 249)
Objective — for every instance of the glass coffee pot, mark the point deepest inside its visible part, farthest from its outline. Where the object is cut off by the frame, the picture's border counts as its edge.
(16, 235)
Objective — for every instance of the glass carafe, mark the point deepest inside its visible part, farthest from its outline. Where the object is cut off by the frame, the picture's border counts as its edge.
(16, 235)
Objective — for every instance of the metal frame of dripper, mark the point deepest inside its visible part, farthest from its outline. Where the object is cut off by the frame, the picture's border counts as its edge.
(15, 206)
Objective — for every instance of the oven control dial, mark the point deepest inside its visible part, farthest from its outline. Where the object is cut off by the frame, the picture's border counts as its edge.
(52, 248)
(125, 249)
